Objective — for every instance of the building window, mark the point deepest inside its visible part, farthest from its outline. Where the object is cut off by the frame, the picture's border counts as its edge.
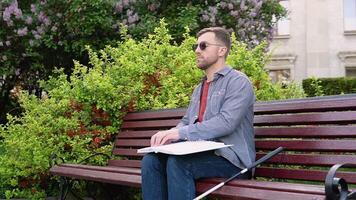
(282, 26)
(348, 60)
(350, 15)
(281, 68)
(280, 76)
(350, 72)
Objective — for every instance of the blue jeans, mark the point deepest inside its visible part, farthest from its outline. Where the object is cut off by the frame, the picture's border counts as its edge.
(173, 177)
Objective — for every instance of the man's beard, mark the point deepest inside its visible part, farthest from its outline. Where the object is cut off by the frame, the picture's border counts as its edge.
(203, 67)
(206, 65)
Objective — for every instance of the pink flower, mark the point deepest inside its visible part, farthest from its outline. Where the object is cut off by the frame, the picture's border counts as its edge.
(205, 18)
(126, 3)
(119, 7)
(213, 10)
(234, 13)
(230, 6)
(40, 30)
(29, 20)
(129, 12)
(10, 23)
(31, 42)
(33, 8)
(37, 36)
(42, 17)
(54, 29)
(22, 31)
(46, 21)
(18, 13)
(242, 5)
(12, 9)
(6, 15)
(152, 7)
(223, 4)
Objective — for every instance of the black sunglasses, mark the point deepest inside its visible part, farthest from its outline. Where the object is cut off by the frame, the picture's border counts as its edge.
(204, 45)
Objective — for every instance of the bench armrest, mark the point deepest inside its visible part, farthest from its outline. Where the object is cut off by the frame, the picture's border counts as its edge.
(336, 188)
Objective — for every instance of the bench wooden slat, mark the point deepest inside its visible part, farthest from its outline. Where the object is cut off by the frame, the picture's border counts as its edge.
(136, 134)
(306, 119)
(302, 132)
(263, 120)
(289, 159)
(128, 170)
(126, 152)
(154, 114)
(268, 185)
(301, 174)
(102, 176)
(348, 102)
(132, 142)
(310, 131)
(308, 145)
(88, 173)
(297, 119)
(245, 193)
(301, 159)
(150, 124)
(305, 132)
(125, 163)
(309, 159)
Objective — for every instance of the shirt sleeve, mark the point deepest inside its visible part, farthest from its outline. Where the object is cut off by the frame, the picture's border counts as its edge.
(238, 100)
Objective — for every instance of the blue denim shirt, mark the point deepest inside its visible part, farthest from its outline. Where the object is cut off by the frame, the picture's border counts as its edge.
(228, 116)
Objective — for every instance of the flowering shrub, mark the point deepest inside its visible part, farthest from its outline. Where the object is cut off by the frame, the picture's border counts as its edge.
(80, 113)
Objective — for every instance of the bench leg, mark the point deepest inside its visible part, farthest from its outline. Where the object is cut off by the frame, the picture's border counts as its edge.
(63, 189)
(66, 185)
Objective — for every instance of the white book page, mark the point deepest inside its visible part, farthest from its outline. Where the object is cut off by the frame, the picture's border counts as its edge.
(183, 148)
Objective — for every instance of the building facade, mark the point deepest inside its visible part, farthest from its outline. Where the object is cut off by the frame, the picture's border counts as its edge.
(317, 38)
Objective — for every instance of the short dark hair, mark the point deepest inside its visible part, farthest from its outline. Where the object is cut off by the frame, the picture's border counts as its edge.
(221, 34)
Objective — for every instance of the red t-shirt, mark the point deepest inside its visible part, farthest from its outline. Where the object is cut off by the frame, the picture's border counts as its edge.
(203, 99)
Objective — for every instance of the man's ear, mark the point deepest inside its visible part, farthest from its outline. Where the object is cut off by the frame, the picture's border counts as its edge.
(222, 51)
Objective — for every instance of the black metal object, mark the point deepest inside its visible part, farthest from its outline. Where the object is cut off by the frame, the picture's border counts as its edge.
(336, 188)
(66, 184)
(253, 165)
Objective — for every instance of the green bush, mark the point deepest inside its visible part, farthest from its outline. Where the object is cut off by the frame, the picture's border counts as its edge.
(78, 114)
(329, 86)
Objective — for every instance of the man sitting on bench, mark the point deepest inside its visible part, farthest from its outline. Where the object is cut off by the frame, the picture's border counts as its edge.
(220, 109)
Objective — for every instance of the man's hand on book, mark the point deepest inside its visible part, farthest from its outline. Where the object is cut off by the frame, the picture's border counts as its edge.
(164, 137)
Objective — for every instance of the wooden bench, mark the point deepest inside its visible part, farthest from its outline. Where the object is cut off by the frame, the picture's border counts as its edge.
(316, 132)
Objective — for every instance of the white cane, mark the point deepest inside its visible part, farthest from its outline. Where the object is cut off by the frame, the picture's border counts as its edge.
(261, 160)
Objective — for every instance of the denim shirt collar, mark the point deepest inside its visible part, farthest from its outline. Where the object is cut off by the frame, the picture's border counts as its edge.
(223, 72)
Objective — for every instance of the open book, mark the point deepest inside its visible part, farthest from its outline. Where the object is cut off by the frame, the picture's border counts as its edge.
(183, 148)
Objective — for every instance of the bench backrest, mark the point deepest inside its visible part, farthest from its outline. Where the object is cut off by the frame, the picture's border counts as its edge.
(316, 132)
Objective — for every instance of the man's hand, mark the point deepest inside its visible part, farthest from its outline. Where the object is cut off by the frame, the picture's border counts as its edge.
(164, 137)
